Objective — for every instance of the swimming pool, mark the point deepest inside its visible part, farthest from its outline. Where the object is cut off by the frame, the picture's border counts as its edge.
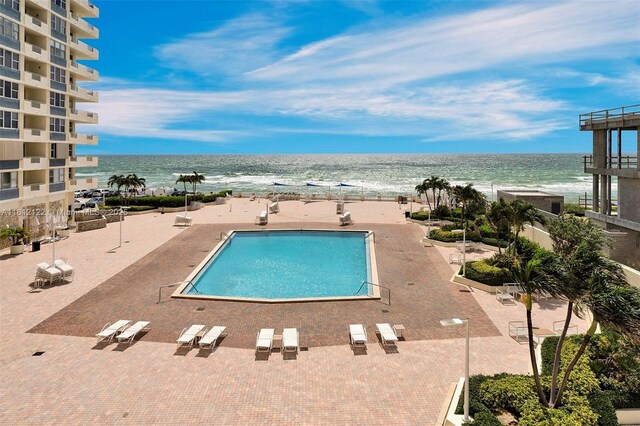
(285, 265)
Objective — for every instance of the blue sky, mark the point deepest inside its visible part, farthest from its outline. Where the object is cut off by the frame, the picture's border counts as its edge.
(359, 76)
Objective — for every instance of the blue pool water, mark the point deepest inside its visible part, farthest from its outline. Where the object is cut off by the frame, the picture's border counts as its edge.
(287, 265)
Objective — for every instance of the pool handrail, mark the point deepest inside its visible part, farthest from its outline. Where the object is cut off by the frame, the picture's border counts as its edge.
(190, 283)
(371, 234)
(377, 285)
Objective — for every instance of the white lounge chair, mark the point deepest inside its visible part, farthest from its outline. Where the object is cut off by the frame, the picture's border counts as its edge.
(211, 337)
(110, 330)
(189, 335)
(274, 208)
(345, 219)
(340, 207)
(65, 268)
(387, 335)
(262, 218)
(130, 333)
(508, 293)
(48, 272)
(358, 335)
(182, 221)
(264, 340)
(290, 340)
(558, 326)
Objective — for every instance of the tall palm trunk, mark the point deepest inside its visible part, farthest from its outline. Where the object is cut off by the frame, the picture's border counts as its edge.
(574, 361)
(558, 355)
(532, 356)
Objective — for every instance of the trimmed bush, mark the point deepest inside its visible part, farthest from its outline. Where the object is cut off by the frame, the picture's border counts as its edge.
(494, 242)
(602, 405)
(511, 393)
(445, 236)
(485, 273)
(487, 231)
(166, 200)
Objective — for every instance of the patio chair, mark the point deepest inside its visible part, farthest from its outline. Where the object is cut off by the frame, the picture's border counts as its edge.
(345, 219)
(264, 340)
(262, 218)
(130, 333)
(109, 331)
(187, 336)
(211, 337)
(290, 340)
(65, 268)
(48, 272)
(358, 335)
(518, 330)
(542, 294)
(387, 335)
(340, 207)
(182, 220)
(455, 258)
(559, 325)
(506, 294)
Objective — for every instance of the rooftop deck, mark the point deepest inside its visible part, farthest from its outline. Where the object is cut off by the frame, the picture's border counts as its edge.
(625, 118)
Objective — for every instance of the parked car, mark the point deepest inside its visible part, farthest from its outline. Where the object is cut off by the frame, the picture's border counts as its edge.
(80, 193)
(94, 202)
(113, 194)
(88, 193)
(100, 193)
(79, 204)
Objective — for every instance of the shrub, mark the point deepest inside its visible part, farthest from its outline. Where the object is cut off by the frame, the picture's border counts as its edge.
(574, 209)
(140, 208)
(441, 212)
(487, 231)
(485, 273)
(511, 393)
(445, 236)
(602, 405)
(420, 215)
(494, 242)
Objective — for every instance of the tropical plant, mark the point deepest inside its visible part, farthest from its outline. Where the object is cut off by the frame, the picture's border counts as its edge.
(196, 179)
(521, 213)
(470, 199)
(423, 189)
(184, 180)
(498, 217)
(16, 235)
(133, 182)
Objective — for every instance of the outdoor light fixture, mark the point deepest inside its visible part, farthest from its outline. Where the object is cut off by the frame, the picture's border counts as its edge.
(458, 321)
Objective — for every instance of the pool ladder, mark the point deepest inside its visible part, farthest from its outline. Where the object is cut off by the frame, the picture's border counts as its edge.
(377, 285)
(190, 283)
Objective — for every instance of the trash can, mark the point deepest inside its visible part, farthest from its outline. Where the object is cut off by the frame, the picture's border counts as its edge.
(407, 214)
(35, 246)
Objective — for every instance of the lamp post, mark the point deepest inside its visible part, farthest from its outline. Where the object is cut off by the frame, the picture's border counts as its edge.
(458, 321)
(122, 212)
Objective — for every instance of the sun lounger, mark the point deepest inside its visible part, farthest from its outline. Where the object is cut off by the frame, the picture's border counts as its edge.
(262, 218)
(189, 335)
(290, 340)
(48, 272)
(387, 335)
(264, 340)
(559, 325)
(358, 335)
(274, 208)
(211, 337)
(109, 331)
(508, 293)
(130, 333)
(65, 268)
(340, 207)
(182, 221)
(345, 219)
(518, 331)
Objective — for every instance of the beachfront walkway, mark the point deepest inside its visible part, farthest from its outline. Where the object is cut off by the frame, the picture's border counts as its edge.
(150, 382)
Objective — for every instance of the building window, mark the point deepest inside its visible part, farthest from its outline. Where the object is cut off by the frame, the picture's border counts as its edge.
(9, 59)
(58, 49)
(58, 75)
(60, 3)
(58, 24)
(57, 99)
(9, 180)
(13, 4)
(8, 89)
(8, 120)
(8, 28)
(56, 125)
(56, 175)
(54, 150)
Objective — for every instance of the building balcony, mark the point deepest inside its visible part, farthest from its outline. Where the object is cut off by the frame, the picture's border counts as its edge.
(34, 163)
(42, 4)
(83, 72)
(35, 80)
(83, 139)
(82, 50)
(83, 161)
(81, 28)
(79, 184)
(85, 8)
(34, 107)
(83, 116)
(622, 166)
(34, 190)
(82, 94)
(627, 117)
(34, 135)
(33, 23)
(34, 52)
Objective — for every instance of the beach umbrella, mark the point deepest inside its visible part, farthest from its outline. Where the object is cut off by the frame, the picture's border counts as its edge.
(311, 185)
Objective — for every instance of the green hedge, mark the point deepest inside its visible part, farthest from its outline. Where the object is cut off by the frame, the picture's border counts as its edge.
(482, 272)
(166, 200)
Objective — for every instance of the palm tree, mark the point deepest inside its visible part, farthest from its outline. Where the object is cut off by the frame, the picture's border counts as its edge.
(521, 213)
(423, 188)
(196, 179)
(184, 179)
(498, 216)
(468, 196)
(441, 185)
(117, 181)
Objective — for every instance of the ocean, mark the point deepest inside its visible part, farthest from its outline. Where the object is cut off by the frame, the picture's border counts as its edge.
(374, 174)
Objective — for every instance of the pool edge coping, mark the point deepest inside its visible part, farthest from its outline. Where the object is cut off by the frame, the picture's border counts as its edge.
(372, 259)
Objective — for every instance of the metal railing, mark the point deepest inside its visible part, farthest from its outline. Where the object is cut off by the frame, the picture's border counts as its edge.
(377, 285)
(176, 285)
(612, 114)
(371, 234)
(613, 162)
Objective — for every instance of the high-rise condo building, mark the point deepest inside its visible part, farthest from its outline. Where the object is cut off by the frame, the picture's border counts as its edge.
(41, 98)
